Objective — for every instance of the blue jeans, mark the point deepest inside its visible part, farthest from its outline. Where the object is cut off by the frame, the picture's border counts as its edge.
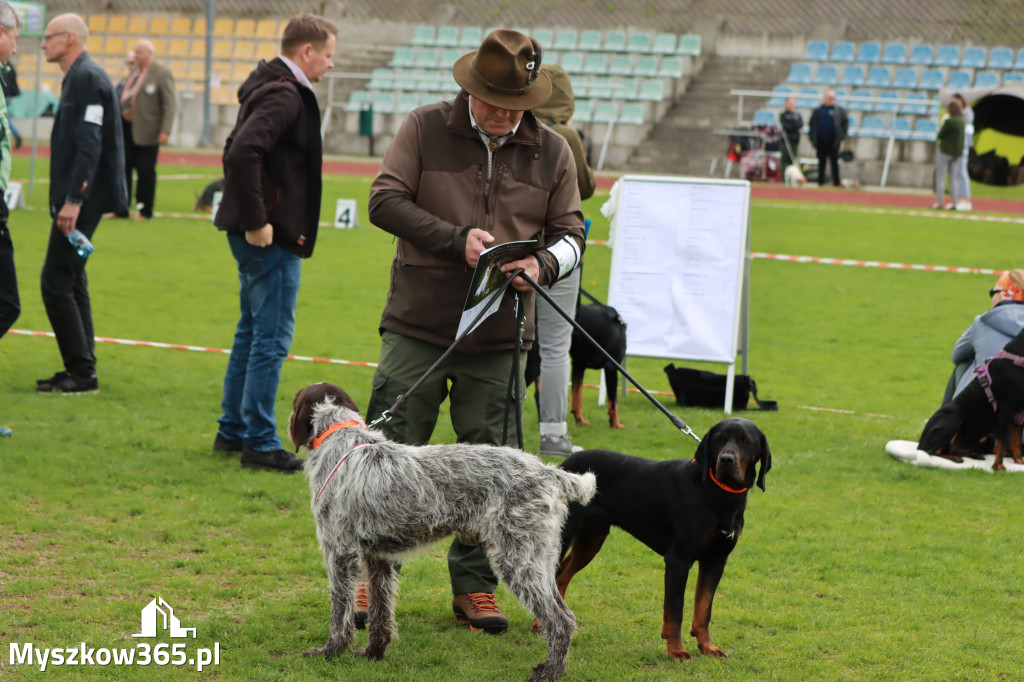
(268, 292)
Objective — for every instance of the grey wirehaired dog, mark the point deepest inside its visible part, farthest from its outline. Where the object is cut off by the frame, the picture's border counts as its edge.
(374, 499)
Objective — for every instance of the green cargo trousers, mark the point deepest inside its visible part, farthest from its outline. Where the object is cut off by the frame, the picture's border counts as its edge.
(476, 385)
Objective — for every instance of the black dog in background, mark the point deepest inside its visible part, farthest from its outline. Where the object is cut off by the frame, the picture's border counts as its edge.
(604, 325)
(964, 426)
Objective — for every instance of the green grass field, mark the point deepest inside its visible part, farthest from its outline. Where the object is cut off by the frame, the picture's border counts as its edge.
(852, 566)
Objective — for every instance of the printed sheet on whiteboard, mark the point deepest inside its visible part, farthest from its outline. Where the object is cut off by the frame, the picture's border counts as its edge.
(678, 251)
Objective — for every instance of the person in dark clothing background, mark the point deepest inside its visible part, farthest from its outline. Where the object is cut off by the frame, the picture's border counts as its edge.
(9, 81)
(271, 210)
(829, 126)
(792, 122)
(86, 181)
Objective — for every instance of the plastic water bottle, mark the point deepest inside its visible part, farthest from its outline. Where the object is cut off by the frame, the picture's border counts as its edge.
(81, 243)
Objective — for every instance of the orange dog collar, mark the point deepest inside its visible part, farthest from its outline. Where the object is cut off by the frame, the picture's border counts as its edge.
(337, 426)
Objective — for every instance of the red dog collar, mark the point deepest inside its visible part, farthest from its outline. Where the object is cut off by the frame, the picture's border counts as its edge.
(723, 486)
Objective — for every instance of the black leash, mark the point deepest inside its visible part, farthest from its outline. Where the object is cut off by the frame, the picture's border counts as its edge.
(676, 421)
(514, 382)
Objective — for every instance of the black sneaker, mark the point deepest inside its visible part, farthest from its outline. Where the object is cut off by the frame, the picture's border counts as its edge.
(282, 460)
(71, 385)
(226, 445)
(46, 385)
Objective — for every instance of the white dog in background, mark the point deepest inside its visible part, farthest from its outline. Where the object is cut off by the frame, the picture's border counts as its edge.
(793, 177)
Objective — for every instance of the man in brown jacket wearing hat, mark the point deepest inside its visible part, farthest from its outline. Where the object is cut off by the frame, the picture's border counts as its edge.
(462, 176)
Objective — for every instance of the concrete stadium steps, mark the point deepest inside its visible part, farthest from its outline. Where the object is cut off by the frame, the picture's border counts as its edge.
(682, 143)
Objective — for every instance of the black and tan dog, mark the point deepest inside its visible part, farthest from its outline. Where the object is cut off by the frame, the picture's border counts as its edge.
(992, 404)
(604, 325)
(686, 511)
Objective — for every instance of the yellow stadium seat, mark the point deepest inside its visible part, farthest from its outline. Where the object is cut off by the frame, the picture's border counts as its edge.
(267, 50)
(225, 94)
(222, 28)
(179, 69)
(240, 72)
(196, 71)
(197, 49)
(94, 45)
(117, 23)
(181, 26)
(159, 26)
(267, 29)
(244, 28)
(115, 45)
(178, 47)
(199, 27)
(222, 69)
(222, 49)
(97, 23)
(159, 46)
(244, 51)
(138, 26)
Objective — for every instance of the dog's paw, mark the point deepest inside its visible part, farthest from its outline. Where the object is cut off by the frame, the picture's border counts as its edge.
(580, 421)
(314, 652)
(545, 672)
(712, 650)
(679, 654)
(372, 653)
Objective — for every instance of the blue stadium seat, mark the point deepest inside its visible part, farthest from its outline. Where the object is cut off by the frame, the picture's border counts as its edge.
(546, 38)
(843, 51)
(621, 65)
(889, 106)
(664, 43)
(426, 58)
(424, 35)
(450, 55)
(879, 77)
(765, 117)
(869, 52)
(919, 108)
(1013, 77)
(948, 55)
(853, 75)
(383, 102)
(447, 36)
(842, 98)
(590, 41)
(615, 41)
(799, 73)
(572, 62)
(671, 67)
(407, 101)
(639, 43)
(959, 80)
(380, 79)
(809, 98)
(1019, 62)
(627, 88)
(817, 51)
(404, 57)
(986, 79)
(652, 90)
(903, 128)
(601, 88)
(565, 39)
(932, 79)
(974, 57)
(925, 129)
(472, 36)
(690, 45)
(605, 111)
(403, 79)
(905, 78)
(1000, 58)
(895, 53)
(922, 55)
(857, 105)
(872, 125)
(780, 93)
(632, 114)
(853, 119)
(595, 63)
(827, 74)
(646, 66)
(357, 101)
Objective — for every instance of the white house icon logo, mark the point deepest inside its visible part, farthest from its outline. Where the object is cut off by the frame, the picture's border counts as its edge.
(171, 624)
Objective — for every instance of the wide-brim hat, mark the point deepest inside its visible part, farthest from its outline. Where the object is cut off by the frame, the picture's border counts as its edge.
(504, 72)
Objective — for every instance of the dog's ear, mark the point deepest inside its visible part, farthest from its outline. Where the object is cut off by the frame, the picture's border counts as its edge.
(341, 397)
(766, 461)
(300, 422)
(701, 456)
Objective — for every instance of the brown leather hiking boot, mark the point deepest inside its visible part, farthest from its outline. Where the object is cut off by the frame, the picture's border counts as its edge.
(480, 611)
(362, 605)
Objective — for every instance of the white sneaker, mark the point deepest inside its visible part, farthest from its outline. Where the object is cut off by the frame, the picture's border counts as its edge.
(559, 446)
(964, 205)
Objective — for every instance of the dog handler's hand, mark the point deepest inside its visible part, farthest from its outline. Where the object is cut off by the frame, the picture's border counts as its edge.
(67, 218)
(530, 266)
(476, 242)
(261, 237)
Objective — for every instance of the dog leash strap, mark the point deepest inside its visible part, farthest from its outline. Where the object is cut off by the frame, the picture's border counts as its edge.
(335, 469)
(337, 426)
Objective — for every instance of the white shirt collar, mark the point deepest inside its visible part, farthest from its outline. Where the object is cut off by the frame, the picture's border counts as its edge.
(299, 75)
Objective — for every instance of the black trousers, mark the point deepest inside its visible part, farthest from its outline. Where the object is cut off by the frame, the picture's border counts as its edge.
(828, 153)
(65, 290)
(141, 159)
(10, 304)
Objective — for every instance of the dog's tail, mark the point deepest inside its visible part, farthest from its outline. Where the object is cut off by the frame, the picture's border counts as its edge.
(577, 487)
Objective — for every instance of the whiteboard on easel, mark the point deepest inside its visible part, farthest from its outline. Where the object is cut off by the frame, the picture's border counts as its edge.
(679, 251)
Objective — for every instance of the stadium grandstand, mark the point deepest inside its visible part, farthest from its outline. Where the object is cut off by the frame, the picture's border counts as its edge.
(660, 84)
